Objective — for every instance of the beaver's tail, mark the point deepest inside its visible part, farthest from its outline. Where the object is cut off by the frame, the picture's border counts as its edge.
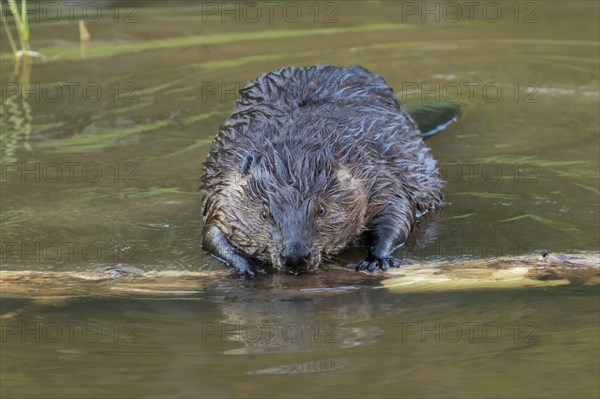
(433, 117)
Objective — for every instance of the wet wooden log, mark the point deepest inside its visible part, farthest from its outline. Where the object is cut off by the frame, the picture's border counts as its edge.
(112, 281)
(529, 271)
(536, 270)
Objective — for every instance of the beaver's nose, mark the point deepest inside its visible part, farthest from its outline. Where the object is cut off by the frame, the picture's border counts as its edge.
(295, 255)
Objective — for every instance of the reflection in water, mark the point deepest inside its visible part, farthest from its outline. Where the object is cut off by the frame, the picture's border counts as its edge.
(461, 340)
(284, 321)
(15, 112)
(307, 367)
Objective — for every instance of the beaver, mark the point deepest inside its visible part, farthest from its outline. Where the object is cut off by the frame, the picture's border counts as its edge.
(315, 160)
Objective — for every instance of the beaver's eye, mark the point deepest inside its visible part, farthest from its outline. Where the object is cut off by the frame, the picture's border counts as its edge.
(321, 210)
(263, 215)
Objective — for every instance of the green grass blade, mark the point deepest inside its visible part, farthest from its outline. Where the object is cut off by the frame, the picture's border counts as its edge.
(25, 21)
(11, 40)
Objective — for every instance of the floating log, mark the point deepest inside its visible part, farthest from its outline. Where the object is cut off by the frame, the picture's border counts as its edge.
(536, 270)
(506, 272)
(113, 281)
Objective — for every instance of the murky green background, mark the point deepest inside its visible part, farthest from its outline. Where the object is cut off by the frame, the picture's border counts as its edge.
(522, 168)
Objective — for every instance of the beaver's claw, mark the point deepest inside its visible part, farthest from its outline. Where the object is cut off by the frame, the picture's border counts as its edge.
(373, 263)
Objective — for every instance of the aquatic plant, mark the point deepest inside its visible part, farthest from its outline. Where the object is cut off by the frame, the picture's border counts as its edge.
(15, 111)
(11, 40)
(84, 38)
(22, 25)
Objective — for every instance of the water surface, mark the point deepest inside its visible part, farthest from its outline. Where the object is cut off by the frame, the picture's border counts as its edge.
(111, 176)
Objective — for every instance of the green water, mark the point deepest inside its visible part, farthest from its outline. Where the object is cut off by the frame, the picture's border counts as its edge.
(110, 175)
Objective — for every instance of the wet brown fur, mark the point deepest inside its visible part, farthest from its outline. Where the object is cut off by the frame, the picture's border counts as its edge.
(311, 138)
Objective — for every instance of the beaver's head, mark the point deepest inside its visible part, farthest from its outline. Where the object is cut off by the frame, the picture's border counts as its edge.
(295, 203)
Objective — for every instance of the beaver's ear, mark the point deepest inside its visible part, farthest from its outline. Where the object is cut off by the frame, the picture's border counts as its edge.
(250, 160)
(331, 161)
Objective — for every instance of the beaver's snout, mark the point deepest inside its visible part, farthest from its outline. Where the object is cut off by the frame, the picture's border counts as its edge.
(295, 255)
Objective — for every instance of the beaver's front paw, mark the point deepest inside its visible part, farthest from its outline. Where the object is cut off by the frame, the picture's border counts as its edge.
(373, 263)
(243, 269)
